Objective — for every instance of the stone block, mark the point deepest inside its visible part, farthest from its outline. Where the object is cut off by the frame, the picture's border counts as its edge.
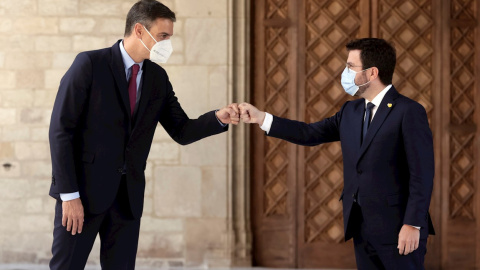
(211, 151)
(202, 9)
(39, 188)
(32, 150)
(15, 133)
(33, 78)
(16, 43)
(111, 26)
(102, 7)
(18, 7)
(6, 151)
(34, 205)
(86, 43)
(8, 116)
(57, 7)
(53, 77)
(161, 134)
(35, 223)
(28, 60)
(39, 134)
(214, 192)
(8, 79)
(164, 152)
(176, 59)
(161, 225)
(40, 169)
(17, 98)
(44, 98)
(218, 87)
(2, 59)
(177, 191)
(177, 44)
(190, 84)
(149, 177)
(5, 25)
(63, 60)
(206, 41)
(36, 25)
(53, 44)
(161, 246)
(204, 236)
(35, 116)
(13, 189)
(75, 25)
(147, 207)
(10, 169)
(11, 206)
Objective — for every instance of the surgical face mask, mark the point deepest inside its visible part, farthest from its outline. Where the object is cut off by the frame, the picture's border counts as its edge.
(161, 51)
(348, 81)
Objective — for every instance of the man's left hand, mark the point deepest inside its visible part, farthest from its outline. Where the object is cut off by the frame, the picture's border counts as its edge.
(229, 114)
(408, 239)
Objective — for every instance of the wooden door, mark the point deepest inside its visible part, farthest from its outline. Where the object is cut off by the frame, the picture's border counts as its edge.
(299, 54)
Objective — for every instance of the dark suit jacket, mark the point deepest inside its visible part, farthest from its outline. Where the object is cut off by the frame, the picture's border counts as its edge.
(391, 171)
(92, 135)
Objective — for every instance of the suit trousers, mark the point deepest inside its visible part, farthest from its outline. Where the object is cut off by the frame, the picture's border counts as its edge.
(371, 253)
(118, 232)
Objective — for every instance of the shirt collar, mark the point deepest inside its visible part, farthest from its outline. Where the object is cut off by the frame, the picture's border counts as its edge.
(127, 60)
(378, 99)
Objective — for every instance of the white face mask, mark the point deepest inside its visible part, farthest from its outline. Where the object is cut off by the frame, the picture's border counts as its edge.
(161, 51)
(348, 81)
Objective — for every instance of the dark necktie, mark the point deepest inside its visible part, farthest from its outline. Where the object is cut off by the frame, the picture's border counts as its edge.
(368, 118)
(132, 88)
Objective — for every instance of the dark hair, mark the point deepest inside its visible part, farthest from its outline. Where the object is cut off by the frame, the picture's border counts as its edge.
(375, 52)
(145, 12)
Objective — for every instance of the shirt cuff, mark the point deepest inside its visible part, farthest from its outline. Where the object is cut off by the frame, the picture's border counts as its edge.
(416, 227)
(220, 122)
(69, 196)
(267, 122)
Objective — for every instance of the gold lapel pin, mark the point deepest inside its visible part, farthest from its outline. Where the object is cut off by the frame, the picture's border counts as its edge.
(389, 105)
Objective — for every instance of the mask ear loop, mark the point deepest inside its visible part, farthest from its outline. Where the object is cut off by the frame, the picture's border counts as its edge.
(150, 36)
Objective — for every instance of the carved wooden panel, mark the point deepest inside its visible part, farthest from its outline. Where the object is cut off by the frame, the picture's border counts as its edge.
(276, 102)
(408, 24)
(462, 109)
(329, 26)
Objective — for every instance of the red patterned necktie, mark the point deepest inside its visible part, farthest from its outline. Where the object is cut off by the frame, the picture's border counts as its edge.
(132, 88)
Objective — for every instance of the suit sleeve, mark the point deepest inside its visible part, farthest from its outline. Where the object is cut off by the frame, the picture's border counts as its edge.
(305, 134)
(67, 111)
(180, 127)
(418, 143)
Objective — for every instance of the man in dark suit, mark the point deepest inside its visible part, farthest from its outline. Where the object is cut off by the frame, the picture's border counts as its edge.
(107, 108)
(388, 161)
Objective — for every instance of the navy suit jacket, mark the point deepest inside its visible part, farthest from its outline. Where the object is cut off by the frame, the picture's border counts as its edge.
(391, 171)
(93, 138)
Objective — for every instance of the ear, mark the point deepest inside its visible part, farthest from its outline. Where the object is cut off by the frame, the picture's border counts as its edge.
(374, 73)
(138, 30)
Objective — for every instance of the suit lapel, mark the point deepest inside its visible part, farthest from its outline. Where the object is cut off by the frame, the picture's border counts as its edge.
(382, 112)
(118, 70)
(359, 111)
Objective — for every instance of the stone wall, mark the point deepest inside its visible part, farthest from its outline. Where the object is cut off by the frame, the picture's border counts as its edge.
(188, 207)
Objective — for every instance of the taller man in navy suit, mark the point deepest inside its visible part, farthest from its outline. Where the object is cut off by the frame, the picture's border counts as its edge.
(388, 161)
(107, 108)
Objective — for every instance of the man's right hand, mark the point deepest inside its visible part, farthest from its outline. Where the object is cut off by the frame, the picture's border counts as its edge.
(72, 215)
(250, 114)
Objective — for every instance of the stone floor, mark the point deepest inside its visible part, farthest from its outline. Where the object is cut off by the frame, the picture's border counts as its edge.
(45, 267)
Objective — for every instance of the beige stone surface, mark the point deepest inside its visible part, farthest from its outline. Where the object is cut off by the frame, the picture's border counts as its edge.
(177, 191)
(87, 43)
(202, 9)
(30, 78)
(18, 7)
(36, 25)
(16, 98)
(214, 192)
(8, 116)
(15, 133)
(28, 60)
(204, 46)
(57, 7)
(71, 25)
(8, 79)
(211, 151)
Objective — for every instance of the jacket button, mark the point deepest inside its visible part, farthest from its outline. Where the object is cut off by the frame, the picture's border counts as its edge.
(120, 170)
(353, 195)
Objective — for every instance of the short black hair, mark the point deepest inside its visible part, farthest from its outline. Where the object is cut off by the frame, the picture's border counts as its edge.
(375, 52)
(145, 12)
